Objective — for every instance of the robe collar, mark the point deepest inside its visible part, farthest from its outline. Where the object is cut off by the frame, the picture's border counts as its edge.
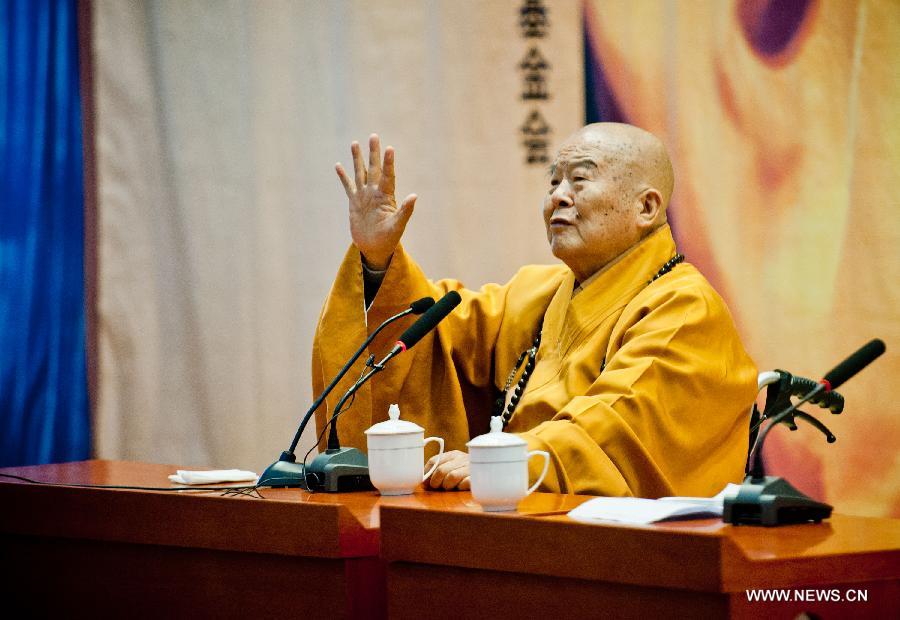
(610, 288)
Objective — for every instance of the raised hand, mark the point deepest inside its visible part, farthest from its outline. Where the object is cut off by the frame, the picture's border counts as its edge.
(376, 222)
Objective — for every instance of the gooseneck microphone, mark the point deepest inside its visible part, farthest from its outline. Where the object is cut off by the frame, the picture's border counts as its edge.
(346, 469)
(834, 378)
(413, 334)
(768, 500)
(285, 472)
(417, 307)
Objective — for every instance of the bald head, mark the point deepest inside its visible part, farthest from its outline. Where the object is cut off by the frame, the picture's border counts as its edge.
(641, 156)
(610, 186)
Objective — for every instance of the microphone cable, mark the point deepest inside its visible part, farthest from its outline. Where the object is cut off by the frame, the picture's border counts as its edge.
(343, 407)
(249, 490)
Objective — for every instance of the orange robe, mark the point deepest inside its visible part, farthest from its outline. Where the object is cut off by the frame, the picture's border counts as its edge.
(668, 414)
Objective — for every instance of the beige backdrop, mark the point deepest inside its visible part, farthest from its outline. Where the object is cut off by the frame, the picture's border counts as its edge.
(221, 222)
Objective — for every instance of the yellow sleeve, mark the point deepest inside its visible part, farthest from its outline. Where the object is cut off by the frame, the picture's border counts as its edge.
(667, 416)
(445, 382)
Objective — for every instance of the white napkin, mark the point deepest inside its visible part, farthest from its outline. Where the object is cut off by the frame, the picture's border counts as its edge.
(643, 511)
(183, 476)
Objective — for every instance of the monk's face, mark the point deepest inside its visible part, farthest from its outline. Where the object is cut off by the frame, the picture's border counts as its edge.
(589, 210)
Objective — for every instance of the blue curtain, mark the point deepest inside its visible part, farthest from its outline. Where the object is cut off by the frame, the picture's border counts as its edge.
(44, 413)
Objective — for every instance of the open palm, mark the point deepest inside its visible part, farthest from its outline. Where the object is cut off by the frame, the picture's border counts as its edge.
(376, 222)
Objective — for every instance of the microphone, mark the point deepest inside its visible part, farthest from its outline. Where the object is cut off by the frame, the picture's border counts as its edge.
(769, 500)
(420, 305)
(425, 324)
(413, 334)
(864, 356)
(285, 472)
(346, 469)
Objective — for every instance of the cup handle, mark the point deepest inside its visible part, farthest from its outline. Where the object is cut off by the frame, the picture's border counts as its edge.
(438, 461)
(540, 479)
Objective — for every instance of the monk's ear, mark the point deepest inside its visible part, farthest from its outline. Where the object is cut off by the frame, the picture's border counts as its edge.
(649, 207)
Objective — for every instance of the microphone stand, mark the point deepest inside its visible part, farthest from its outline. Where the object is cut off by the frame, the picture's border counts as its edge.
(337, 469)
(781, 386)
(766, 500)
(770, 500)
(286, 472)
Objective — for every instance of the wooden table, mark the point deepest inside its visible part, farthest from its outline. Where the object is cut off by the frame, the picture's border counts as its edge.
(442, 563)
(114, 553)
(122, 553)
(70, 550)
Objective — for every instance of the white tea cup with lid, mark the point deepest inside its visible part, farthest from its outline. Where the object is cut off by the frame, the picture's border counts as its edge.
(498, 468)
(397, 454)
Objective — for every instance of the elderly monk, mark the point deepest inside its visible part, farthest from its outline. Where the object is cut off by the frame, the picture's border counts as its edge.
(623, 363)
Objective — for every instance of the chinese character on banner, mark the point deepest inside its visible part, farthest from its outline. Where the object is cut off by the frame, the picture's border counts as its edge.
(535, 68)
(536, 134)
(535, 83)
(533, 19)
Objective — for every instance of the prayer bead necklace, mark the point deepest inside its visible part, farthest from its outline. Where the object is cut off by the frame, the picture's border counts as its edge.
(506, 410)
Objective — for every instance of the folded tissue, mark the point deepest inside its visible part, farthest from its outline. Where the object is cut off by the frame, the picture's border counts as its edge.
(183, 476)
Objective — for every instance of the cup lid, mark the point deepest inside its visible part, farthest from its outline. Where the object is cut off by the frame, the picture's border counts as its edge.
(496, 438)
(394, 426)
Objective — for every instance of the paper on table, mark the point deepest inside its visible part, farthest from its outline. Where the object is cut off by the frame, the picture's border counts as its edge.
(183, 476)
(643, 511)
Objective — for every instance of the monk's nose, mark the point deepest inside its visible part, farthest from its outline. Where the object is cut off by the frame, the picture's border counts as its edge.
(562, 196)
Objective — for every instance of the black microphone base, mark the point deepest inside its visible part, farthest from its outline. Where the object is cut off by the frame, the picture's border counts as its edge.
(339, 471)
(772, 501)
(283, 473)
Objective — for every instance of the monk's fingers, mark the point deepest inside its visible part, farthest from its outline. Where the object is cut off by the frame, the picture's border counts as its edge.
(387, 182)
(345, 180)
(445, 475)
(374, 159)
(445, 457)
(454, 478)
(440, 474)
(359, 166)
(466, 484)
(446, 461)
